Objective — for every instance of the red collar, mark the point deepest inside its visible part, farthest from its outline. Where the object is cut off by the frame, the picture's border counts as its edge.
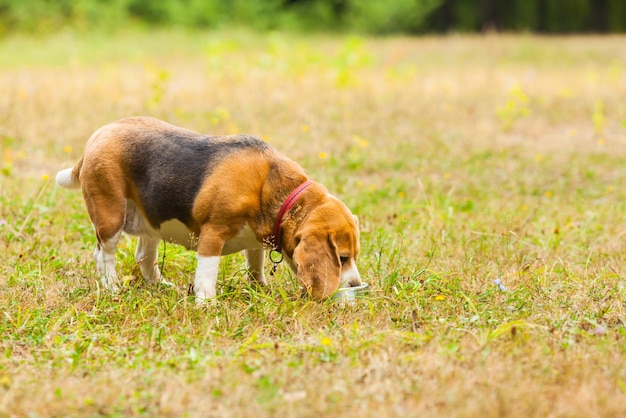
(277, 238)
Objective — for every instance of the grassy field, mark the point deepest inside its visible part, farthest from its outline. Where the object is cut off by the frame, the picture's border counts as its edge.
(470, 161)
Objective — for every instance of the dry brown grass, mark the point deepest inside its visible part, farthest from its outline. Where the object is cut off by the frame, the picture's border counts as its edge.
(466, 158)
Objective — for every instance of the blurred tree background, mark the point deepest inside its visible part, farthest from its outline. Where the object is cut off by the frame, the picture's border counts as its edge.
(364, 16)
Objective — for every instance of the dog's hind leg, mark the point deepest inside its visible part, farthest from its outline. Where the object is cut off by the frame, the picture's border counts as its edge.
(146, 257)
(107, 212)
(104, 255)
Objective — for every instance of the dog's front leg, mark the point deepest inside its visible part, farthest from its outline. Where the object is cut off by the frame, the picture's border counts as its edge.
(254, 259)
(210, 245)
(206, 277)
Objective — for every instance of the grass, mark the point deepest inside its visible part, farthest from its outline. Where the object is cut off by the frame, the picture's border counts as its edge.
(467, 160)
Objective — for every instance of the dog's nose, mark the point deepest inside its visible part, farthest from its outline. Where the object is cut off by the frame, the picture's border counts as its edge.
(351, 277)
(355, 282)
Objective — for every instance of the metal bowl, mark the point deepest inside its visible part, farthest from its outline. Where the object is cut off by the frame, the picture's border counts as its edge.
(349, 295)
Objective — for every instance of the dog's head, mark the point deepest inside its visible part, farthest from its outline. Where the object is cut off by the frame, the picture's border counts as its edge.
(327, 247)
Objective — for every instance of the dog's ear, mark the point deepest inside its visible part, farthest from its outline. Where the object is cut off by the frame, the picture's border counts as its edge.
(318, 265)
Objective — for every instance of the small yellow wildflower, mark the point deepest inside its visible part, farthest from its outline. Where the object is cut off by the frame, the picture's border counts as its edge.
(609, 188)
(67, 149)
(323, 155)
(598, 116)
(360, 141)
(401, 194)
(592, 76)
(45, 177)
(305, 128)
(601, 141)
(326, 342)
(222, 113)
(440, 297)
(447, 175)
(519, 94)
(548, 194)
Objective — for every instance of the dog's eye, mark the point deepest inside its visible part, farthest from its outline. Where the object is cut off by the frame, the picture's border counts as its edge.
(344, 260)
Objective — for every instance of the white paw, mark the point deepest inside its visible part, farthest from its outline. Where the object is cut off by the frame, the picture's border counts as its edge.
(201, 301)
(205, 297)
(112, 284)
(203, 294)
(258, 280)
(167, 283)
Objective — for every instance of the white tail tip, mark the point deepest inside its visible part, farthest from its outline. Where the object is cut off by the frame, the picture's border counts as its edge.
(65, 179)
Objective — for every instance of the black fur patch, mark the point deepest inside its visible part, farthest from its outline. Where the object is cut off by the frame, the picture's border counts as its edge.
(169, 169)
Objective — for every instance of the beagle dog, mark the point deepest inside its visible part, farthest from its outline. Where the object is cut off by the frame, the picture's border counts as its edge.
(214, 194)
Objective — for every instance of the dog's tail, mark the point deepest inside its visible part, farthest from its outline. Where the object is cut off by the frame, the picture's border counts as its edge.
(70, 177)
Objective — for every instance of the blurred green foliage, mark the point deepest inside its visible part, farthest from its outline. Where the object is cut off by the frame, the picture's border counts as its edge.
(365, 16)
